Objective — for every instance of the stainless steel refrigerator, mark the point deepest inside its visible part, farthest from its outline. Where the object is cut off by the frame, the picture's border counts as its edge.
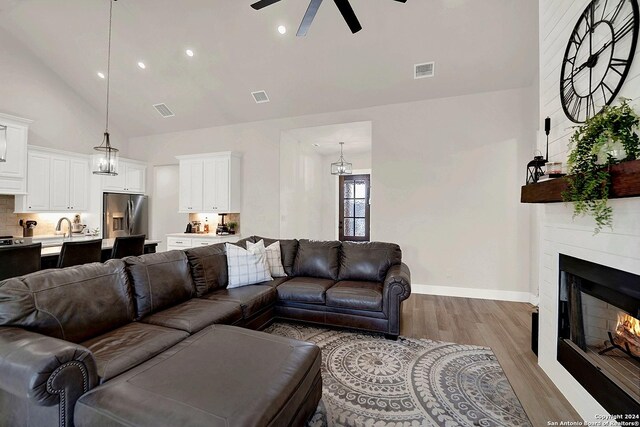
(124, 215)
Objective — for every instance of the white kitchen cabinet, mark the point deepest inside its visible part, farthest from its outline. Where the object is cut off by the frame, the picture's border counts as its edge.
(210, 183)
(57, 181)
(60, 183)
(131, 178)
(78, 185)
(13, 172)
(191, 185)
(38, 185)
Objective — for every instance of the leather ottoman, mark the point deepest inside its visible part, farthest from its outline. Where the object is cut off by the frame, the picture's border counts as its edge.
(221, 376)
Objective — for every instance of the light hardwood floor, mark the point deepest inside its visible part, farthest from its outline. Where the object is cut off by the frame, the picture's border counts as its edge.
(503, 326)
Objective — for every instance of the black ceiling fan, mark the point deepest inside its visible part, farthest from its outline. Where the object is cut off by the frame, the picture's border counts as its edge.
(343, 5)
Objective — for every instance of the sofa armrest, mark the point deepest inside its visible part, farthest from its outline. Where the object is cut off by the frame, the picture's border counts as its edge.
(397, 288)
(397, 283)
(45, 371)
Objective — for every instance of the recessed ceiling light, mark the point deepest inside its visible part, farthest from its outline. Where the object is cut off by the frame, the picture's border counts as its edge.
(189, 52)
(141, 65)
(282, 29)
(101, 75)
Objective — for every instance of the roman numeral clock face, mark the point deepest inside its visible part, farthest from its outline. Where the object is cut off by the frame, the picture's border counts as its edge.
(598, 57)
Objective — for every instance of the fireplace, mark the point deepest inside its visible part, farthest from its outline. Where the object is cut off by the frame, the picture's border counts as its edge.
(599, 332)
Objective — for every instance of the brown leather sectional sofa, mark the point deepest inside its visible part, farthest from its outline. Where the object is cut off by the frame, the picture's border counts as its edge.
(159, 339)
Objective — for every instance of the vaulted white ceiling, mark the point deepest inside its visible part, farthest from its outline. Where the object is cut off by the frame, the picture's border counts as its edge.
(478, 46)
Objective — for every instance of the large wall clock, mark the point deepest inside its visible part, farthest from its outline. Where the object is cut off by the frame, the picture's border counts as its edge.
(598, 57)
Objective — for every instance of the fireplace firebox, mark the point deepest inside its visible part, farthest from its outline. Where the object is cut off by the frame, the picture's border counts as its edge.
(599, 332)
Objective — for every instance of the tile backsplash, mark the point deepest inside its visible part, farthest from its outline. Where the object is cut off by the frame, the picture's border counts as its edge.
(214, 219)
(9, 221)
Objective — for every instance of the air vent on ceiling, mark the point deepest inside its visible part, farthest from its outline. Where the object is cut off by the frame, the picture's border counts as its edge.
(164, 110)
(260, 97)
(421, 71)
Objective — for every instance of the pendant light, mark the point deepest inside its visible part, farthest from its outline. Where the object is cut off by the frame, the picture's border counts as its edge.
(106, 161)
(341, 167)
(3, 143)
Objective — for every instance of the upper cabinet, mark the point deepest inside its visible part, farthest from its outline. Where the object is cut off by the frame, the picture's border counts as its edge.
(210, 183)
(13, 172)
(57, 181)
(131, 178)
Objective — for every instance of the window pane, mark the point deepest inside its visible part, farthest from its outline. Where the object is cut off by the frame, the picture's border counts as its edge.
(360, 208)
(348, 208)
(348, 227)
(361, 190)
(348, 190)
(360, 227)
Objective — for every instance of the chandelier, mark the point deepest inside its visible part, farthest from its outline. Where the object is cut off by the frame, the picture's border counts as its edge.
(341, 167)
(106, 161)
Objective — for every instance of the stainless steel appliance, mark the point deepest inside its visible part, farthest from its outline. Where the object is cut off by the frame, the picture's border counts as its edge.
(124, 215)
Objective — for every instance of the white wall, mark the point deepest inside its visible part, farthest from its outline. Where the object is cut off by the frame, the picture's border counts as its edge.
(62, 119)
(555, 229)
(301, 190)
(446, 182)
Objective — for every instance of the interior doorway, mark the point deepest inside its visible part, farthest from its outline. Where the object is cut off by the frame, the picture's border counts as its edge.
(354, 208)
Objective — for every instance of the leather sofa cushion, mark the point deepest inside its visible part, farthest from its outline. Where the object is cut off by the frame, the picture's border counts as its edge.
(318, 259)
(208, 268)
(288, 251)
(356, 295)
(265, 380)
(159, 281)
(275, 282)
(252, 298)
(124, 348)
(304, 289)
(73, 304)
(196, 314)
(368, 261)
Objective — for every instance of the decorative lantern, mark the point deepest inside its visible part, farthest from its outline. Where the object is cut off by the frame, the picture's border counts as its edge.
(534, 169)
(106, 161)
(341, 167)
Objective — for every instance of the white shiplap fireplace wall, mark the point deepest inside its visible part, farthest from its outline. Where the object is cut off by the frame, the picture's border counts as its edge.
(559, 233)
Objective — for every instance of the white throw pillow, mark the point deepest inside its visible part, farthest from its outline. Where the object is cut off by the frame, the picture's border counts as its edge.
(247, 266)
(274, 258)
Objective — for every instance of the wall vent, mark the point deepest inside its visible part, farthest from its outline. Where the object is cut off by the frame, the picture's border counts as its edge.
(421, 71)
(260, 97)
(164, 110)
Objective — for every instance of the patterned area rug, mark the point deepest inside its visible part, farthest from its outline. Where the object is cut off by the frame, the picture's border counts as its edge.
(371, 381)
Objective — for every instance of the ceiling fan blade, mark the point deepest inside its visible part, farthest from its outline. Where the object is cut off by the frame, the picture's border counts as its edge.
(263, 3)
(314, 5)
(349, 15)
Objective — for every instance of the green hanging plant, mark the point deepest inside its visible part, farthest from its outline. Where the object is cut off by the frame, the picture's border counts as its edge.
(603, 140)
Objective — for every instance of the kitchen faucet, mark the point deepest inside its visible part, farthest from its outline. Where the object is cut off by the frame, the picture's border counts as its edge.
(58, 226)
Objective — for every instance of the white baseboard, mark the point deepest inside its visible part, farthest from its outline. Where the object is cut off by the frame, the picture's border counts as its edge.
(493, 294)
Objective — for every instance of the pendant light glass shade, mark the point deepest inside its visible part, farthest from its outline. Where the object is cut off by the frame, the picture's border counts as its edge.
(106, 161)
(3, 143)
(341, 167)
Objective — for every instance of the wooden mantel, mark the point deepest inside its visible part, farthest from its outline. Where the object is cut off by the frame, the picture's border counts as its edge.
(625, 180)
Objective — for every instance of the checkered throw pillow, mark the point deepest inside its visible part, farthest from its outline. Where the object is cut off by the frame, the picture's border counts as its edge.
(274, 258)
(247, 266)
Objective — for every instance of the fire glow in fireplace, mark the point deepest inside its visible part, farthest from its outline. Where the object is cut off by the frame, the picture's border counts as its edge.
(599, 332)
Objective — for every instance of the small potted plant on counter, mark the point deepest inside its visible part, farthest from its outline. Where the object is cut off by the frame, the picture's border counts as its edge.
(603, 140)
(232, 227)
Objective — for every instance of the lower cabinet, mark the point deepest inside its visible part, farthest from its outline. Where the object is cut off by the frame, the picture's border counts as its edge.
(182, 243)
